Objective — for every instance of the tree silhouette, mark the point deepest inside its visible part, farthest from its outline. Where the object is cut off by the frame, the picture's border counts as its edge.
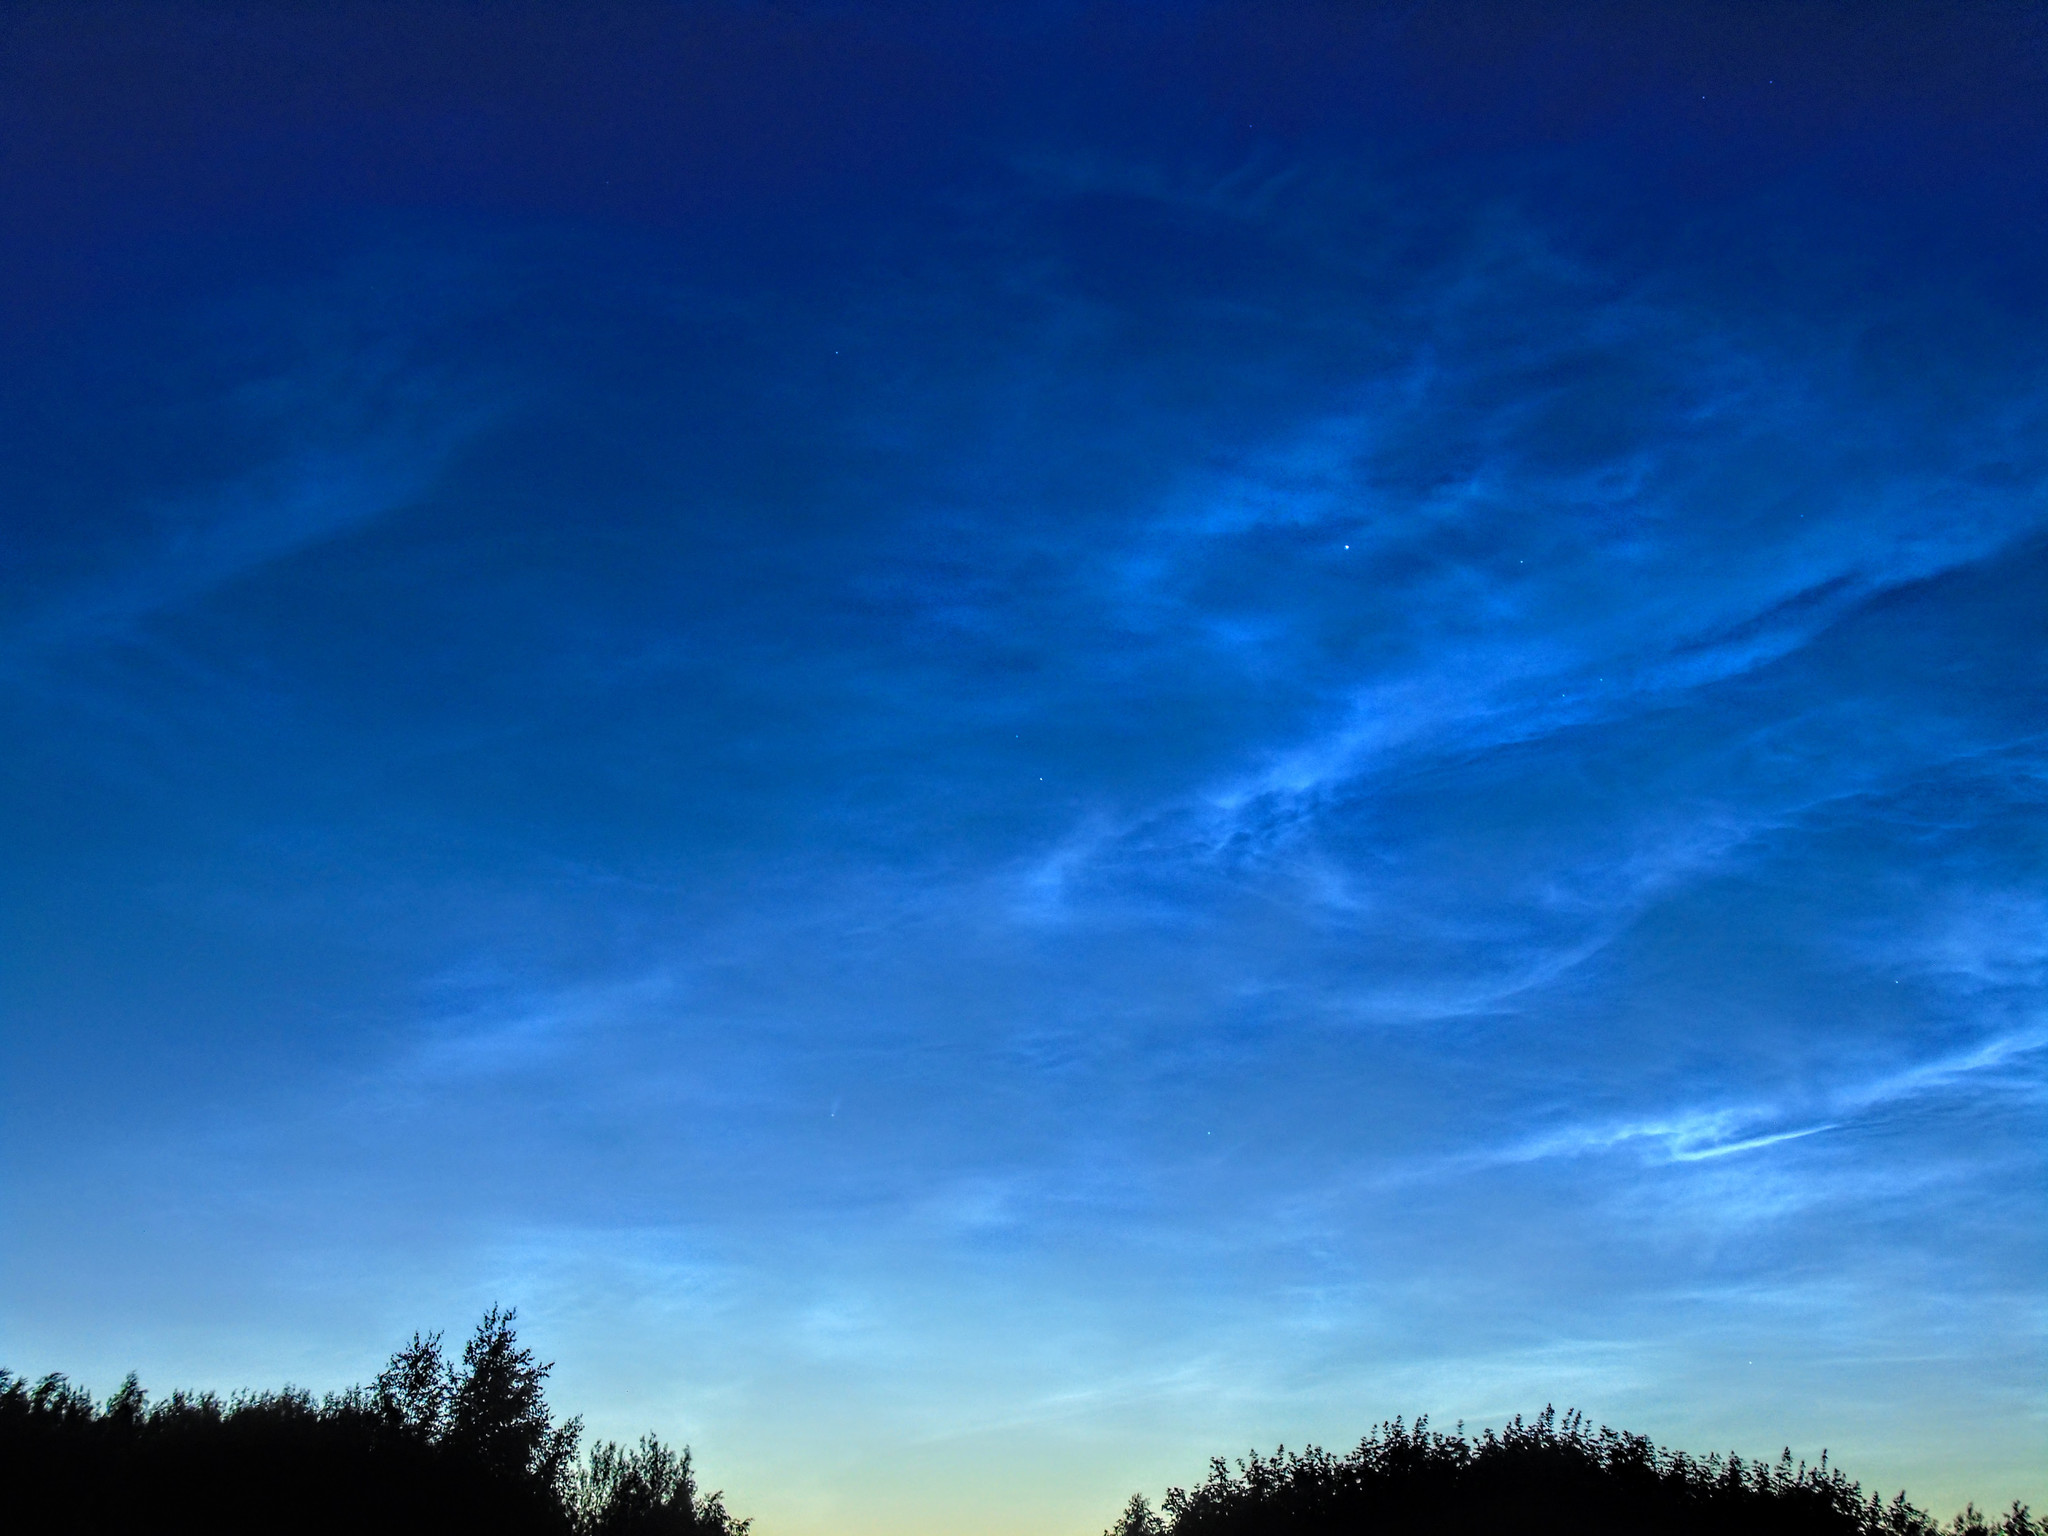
(1533, 1478)
(498, 1414)
(427, 1447)
(412, 1392)
(1138, 1519)
(648, 1491)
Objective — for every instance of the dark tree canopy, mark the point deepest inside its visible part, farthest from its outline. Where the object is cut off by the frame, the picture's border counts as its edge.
(434, 1445)
(429, 1446)
(1532, 1479)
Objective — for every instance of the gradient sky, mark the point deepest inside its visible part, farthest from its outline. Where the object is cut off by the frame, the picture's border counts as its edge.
(1000, 746)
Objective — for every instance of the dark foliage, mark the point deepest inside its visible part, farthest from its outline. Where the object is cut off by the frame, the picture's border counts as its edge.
(1531, 1479)
(647, 1489)
(428, 1447)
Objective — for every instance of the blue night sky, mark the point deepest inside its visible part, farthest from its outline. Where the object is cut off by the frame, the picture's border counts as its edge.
(1003, 746)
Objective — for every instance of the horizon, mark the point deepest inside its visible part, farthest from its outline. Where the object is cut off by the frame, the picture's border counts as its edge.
(1001, 748)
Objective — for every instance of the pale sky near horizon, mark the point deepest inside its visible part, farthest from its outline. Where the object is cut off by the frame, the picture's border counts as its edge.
(1000, 746)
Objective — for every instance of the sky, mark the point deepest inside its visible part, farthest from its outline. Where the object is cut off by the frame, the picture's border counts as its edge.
(1004, 745)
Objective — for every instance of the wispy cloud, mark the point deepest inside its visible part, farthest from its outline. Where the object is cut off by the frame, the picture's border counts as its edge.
(1698, 1135)
(234, 530)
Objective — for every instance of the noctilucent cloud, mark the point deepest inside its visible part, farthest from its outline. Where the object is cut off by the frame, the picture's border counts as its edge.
(1004, 746)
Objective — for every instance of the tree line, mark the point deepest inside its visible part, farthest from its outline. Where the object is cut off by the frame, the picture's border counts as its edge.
(1553, 1476)
(432, 1445)
(435, 1444)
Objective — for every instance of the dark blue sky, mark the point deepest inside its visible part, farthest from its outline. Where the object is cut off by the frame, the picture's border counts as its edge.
(1003, 745)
